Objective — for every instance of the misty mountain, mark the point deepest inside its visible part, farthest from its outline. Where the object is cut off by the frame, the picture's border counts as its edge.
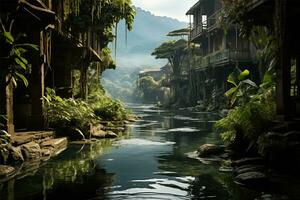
(134, 51)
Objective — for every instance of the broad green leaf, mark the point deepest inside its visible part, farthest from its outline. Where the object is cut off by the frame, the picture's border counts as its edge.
(230, 91)
(23, 78)
(20, 63)
(9, 37)
(249, 82)
(28, 45)
(231, 80)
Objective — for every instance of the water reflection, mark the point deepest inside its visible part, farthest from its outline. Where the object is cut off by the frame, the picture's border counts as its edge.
(149, 162)
(73, 174)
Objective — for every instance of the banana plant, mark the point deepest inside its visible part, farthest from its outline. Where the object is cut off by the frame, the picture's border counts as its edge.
(242, 89)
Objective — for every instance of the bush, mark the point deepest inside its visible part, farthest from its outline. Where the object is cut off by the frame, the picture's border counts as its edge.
(244, 124)
(67, 114)
(107, 108)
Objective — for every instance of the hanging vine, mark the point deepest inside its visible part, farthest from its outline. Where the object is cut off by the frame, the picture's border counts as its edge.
(99, 16)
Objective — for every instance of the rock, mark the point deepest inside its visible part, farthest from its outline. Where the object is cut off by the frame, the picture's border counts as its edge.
(247, 161)
(15, 154)
(104, 134)
(6, 171)
(31, 151)
(111, 134)
(251, 178)
(210, 149)
(131, 119)
(99, 134)
(55, 145)
(250, 168)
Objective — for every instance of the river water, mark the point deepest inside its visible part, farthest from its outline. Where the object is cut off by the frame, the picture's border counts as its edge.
(148, 162)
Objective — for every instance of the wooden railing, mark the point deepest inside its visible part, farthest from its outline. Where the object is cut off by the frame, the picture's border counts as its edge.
(225, 56)
(196, 31)
(209, 24)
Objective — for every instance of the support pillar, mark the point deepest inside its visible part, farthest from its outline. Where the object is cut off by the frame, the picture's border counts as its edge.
(9, 107)
(37, 85)
(283, 69)
(83, 81)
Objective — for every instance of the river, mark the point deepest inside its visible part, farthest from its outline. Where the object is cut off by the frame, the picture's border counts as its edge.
(148, 162)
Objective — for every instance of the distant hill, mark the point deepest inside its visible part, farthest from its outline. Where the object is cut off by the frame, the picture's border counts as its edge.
(149, 31)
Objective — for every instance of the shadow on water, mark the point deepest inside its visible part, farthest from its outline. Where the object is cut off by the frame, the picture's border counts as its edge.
(148, 163)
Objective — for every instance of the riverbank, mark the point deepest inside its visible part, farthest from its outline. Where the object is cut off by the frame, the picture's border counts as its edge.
(30, 150)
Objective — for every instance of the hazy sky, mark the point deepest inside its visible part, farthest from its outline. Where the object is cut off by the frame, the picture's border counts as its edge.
(171, 8)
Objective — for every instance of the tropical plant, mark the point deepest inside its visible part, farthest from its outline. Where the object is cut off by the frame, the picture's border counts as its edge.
(67, 114)
(13, 63)
(242, 88)
(107, 108)
(245, 123)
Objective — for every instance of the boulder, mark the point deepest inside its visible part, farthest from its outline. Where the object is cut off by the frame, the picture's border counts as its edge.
(251, 178)
(248, 161)
(131, 119)
(209, 150)
(15, 154)
(31, 151)
(6, 171)
(55, 146)
(250, 168)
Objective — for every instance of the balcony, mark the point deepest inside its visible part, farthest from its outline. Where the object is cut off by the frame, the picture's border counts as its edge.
(213, 20)
(197, 31)
(224, 57)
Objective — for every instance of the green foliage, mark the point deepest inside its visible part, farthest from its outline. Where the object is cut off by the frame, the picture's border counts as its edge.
(63, 114)
(233, 13)
(100, 15)
(242, 88)
(149, 90)
(251, 118)
(107, 108)
(175, 51)
(71, 114)
(12, 61)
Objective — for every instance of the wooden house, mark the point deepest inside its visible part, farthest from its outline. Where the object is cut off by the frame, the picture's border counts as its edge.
(60, 52)
(221, 52)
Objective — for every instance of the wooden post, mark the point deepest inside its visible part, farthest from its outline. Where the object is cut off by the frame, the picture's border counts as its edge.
(83, 81)
(283, 69)
(37, 85)
(9, 107)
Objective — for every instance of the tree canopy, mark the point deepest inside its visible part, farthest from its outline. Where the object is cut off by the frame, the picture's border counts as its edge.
(174, 51)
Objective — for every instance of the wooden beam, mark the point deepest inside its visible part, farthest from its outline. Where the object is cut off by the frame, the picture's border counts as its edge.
(283, 70)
